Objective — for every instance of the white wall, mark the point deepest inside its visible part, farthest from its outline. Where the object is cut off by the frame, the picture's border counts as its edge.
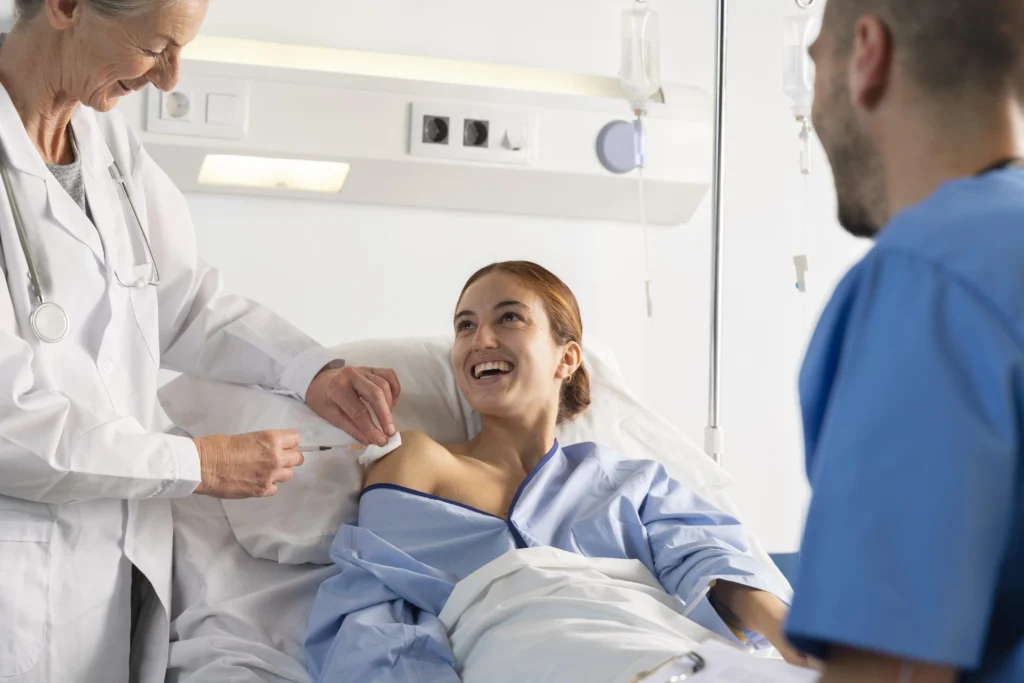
(362, 272)
(357, 263)
(346, 272)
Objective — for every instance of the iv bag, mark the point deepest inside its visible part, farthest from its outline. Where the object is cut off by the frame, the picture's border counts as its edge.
(798, 69)
(641, 60)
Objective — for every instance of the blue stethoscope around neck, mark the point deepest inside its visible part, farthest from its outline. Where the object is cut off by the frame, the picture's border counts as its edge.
(49, 321)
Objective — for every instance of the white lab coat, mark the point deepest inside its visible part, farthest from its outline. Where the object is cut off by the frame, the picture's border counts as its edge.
(84, 484)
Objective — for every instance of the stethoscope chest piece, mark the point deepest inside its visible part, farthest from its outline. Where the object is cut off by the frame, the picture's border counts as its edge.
(49, 322)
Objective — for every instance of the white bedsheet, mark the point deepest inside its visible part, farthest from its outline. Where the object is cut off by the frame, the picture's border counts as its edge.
(236, 619)
(545, 615)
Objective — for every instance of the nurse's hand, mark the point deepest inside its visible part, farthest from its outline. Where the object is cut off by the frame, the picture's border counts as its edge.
(247, 465)
(346, 396)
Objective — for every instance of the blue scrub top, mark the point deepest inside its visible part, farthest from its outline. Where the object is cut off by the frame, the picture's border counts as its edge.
(912, 395)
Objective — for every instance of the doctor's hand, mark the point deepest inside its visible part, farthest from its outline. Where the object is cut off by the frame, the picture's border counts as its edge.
(247, 465)
(346, 396)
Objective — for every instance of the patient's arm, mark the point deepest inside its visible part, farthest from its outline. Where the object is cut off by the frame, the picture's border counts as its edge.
(854, 666)
(695, 545)
(750, 609)
(376, 619)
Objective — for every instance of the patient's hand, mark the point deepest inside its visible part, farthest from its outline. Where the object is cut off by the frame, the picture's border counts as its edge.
(772, 629)
(758, 611)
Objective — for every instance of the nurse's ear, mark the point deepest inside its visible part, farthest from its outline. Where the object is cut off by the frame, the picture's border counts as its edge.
(63, 14)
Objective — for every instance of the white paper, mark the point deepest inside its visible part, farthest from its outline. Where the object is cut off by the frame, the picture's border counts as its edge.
(726, 664)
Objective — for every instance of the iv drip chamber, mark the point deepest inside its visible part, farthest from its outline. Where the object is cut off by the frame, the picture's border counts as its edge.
(798, 69)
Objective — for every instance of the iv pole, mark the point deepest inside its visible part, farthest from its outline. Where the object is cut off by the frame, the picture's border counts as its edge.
(713, 432)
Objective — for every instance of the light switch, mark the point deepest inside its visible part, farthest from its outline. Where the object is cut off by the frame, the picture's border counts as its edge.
(222, 110)
(516, 137)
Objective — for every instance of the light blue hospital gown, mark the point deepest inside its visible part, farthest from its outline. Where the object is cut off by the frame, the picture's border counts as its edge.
(376, 619)
(913, 407)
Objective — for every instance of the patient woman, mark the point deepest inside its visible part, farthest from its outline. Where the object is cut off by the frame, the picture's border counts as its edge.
(431, 514)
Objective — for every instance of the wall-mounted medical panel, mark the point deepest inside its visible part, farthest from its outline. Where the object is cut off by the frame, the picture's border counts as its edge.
(419, 143)
(464, 131)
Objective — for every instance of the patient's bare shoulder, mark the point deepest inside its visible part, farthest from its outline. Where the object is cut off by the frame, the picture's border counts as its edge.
(417, 464)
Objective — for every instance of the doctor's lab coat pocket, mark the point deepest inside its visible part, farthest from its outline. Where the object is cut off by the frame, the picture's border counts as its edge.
(147, 315)
(24, 592)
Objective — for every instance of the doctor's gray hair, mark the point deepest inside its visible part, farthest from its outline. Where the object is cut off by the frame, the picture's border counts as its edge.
(111, 9)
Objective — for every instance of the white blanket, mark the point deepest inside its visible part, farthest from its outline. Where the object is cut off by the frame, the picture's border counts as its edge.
(542, 614)
(532, 615)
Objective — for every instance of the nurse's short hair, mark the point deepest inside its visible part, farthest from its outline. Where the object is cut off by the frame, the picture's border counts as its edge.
(112, 9)
(954, 49)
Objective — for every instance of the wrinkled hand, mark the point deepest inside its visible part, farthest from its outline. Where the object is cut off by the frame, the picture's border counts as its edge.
(346, 396)
(247, 465)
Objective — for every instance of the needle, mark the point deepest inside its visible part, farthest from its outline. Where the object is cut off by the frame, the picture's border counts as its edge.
(317, 449)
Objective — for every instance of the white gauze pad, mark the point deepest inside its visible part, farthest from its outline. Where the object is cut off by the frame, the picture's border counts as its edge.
(372, 453)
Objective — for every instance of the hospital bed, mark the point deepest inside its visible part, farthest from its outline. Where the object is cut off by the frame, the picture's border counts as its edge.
(246, 572)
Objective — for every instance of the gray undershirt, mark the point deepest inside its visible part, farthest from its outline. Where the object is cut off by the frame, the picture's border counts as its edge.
(70, 178)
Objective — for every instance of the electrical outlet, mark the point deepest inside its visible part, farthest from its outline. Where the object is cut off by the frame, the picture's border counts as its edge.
(435, 130)
(474, 133)
(177, 106)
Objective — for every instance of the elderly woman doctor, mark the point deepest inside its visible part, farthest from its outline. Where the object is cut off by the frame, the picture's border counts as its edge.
(103, 288)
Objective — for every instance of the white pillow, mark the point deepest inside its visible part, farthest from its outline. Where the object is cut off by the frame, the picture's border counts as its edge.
(298, 524)
(617, 418)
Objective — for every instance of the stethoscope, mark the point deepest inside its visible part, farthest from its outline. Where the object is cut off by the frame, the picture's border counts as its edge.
(49, 321)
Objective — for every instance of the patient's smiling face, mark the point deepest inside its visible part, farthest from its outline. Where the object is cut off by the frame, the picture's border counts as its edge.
(507, 361)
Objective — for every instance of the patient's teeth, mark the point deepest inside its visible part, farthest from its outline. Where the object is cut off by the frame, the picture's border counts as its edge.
(481, 368)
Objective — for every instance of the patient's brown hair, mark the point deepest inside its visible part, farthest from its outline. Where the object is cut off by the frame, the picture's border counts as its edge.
(566, 323)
